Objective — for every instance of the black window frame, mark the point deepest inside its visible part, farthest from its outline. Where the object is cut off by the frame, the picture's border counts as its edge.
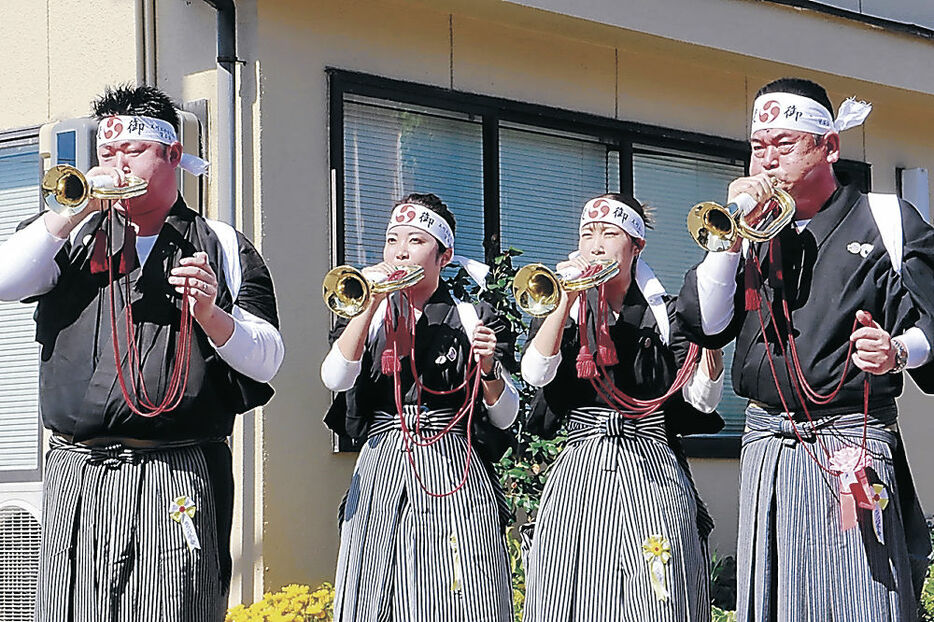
(620, 135)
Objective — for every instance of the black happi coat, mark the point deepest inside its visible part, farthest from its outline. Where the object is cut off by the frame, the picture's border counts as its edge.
(441, 350)
(79, 391)
(825, 285)
(647, 368)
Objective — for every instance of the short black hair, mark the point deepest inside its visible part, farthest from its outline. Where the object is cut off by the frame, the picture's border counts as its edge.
(799, 86)
(643, 210)
(434, 203)
(126, 99)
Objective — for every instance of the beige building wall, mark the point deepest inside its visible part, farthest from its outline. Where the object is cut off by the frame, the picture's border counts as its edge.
(670, 74)
(478, 48)
(53, 65)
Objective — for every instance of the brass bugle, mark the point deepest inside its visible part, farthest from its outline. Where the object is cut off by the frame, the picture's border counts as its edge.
(715, 228)
(66, 190)
(537, 289)
(346, 291)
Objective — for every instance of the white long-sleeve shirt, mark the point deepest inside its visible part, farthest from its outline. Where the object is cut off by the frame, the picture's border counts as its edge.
(338, 374)
(700, 391)
(716, 286)
(28, 268)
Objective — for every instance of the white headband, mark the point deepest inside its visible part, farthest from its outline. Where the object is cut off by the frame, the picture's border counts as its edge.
(421, 217)
(787, 111)
(119, 128)
(614, 213)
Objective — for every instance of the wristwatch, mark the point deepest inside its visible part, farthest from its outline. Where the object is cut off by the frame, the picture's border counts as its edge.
(494, 374)
(901, 357)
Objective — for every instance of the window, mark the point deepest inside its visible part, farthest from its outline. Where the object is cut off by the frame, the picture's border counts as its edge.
(669, 182)
(19, 352)
(517, 175)
(545, 179)
(390, 151)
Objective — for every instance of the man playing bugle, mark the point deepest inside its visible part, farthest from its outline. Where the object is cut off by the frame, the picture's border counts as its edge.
(156, 328)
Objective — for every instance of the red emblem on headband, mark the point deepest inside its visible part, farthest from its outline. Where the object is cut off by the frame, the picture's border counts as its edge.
(112, 128)
(772, 108)
(600, 209)
(405, 213)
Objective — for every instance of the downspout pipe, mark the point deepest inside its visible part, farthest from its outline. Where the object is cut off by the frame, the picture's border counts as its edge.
(226, 109)
(146, 42)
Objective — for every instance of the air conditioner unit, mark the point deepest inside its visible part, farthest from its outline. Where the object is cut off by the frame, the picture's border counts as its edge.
(912, 185)
(19, 552)
(74, 142)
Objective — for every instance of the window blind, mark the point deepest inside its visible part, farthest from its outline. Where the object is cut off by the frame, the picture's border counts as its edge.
(545, 179)
(19, 352)
(670, 183)
(390, 151)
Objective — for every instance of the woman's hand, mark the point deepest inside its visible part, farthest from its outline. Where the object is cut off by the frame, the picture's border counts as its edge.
(484, 347)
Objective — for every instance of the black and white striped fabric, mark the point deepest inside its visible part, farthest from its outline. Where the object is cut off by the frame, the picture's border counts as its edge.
(405, 555)
(616, 483)
(795, 563)
(110, 548)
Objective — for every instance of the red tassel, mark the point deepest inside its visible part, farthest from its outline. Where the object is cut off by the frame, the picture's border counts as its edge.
(128, 252)
(390, 363)
(751, 276)
(99, 258)
(606, 355)
(606, 350)
(586, 368)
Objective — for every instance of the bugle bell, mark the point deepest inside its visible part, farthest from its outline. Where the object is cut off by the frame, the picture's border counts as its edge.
(66, 190)
(537, 289)
(346, 290)
(715, 228)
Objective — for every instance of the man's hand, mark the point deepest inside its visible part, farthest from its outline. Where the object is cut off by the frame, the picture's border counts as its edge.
(758, 189)
(61, 226)
(196, 272)
(874, 350)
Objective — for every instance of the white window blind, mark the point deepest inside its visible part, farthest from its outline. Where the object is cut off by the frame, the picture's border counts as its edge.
(391, 150)
(19, 352)
(545, 179)
(670, 183)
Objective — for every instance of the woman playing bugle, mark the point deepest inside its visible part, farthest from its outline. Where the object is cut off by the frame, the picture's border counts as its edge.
(620, 533)
(420, 377)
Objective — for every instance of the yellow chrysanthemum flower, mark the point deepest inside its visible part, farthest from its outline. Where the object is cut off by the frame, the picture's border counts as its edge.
(656, 546)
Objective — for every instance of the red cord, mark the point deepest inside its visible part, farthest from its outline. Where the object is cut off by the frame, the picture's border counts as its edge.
(410, 439)
(798, 381)
(624, 404)
(178, 381)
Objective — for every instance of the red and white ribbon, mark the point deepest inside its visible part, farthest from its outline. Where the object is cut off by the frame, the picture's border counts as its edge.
(850, 464)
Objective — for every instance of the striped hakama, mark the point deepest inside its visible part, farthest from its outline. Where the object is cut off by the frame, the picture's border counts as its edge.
(111, 550)
(616, 483)
(405, 555)
(795, 563)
